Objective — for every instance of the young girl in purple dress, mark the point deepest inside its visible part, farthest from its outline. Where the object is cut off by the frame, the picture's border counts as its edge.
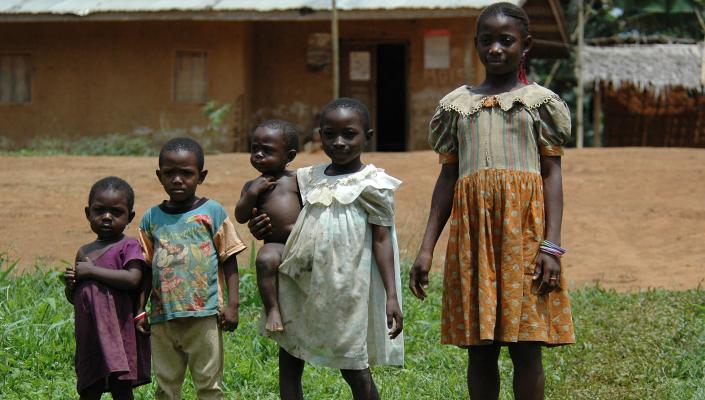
(111, 356)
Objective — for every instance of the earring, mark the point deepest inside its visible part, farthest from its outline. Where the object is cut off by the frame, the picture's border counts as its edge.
(522, 70)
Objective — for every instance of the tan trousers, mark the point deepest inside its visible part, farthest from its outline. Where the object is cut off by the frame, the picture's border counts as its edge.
(193, 342)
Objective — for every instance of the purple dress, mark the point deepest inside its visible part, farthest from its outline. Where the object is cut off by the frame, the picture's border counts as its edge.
(106, 339)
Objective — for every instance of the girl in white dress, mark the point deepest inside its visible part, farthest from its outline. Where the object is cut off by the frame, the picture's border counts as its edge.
(339, 285)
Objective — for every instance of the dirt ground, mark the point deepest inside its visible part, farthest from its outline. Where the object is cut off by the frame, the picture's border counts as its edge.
(634, 217)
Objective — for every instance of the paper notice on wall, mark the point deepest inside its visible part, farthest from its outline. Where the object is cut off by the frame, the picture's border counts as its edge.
(360, 66)
(437, 49)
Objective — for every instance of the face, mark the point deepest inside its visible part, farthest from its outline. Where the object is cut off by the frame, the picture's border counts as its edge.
(343, 135)
(268, 152)
(180, 176)
(500, 45)
(108, 213)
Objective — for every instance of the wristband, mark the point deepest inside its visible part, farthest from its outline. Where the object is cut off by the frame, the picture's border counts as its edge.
(551, 248)
(140, 316)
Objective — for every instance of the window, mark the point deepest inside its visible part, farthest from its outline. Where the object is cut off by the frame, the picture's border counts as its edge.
(190, 78)
(15, 79)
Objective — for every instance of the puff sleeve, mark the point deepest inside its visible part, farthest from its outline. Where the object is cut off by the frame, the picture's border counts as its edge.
(379, 205)
(443, 135)
(554, 127)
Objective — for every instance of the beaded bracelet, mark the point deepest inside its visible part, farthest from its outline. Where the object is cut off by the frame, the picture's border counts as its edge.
(551, 248)
(140, 316)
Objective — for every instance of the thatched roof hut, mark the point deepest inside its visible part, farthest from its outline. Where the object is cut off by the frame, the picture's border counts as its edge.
(656, 68)
(651, 95)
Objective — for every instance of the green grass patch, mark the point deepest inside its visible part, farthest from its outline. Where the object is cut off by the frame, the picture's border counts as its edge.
(630, 346)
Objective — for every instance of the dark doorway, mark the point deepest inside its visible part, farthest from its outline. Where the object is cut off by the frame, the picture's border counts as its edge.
(391, 97)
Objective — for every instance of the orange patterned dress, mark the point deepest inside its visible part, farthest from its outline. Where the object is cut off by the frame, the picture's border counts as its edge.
(497, 221)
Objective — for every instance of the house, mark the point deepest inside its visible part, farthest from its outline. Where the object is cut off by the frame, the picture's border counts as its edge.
(648, 94)
(92, 67)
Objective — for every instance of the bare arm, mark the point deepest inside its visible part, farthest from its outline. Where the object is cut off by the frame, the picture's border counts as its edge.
(70, 278)
(384, 255)
(229, 317)
(142, 299)
(548, 267)
(441, 206)
(249, 195)
(126, 279)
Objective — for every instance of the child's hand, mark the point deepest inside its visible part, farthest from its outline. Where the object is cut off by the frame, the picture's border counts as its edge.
(260, 226)
(262, 184)
(395, 319)
(228, 318)
(547, 275)
(143, 327)
(70, 278)
(418, 276)
(83, 268)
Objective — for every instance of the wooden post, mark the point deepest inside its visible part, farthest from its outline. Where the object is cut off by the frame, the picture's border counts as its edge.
(336, 49)
(579, 75)
(597, 116)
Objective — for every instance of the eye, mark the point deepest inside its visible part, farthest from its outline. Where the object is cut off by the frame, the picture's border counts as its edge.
(507, 40)
(349, 135)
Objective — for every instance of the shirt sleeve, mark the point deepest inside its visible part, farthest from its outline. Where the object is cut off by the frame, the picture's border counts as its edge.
(145, 238)
(132, 251)
(443, 135)
(379, 205)
(554, 127)
(226, 240)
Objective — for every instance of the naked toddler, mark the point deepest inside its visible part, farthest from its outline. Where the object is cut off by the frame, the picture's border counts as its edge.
(276, 193)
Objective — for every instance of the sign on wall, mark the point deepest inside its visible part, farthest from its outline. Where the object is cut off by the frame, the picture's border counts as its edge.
(318, 51)
(437, 49)
(360, 66)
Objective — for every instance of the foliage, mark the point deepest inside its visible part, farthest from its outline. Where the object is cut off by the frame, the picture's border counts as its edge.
(215, 137)
(630, 346)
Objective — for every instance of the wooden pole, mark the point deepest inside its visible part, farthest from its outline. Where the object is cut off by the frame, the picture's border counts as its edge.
(336, 49)
(597, 116)
(579, 75)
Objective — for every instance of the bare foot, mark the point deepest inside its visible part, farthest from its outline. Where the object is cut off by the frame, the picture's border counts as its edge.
(274, 321)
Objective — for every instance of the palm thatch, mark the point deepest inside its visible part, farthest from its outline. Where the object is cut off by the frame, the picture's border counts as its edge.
(656, 68)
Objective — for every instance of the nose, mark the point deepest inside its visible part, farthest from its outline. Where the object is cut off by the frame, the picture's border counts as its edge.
(495, 48)
(258, 155)
(339, 143)
(106, 216)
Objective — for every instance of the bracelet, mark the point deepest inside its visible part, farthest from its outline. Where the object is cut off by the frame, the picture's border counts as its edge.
(140, 316)
(551, 248)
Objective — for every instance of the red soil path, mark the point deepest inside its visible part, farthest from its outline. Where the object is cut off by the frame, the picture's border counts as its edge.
(634, 217)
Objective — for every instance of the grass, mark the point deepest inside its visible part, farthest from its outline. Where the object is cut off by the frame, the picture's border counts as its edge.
(646, 345)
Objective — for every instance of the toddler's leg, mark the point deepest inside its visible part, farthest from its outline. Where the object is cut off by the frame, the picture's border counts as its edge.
(203, 342)
(268, 259)
(290, 371)
(168, 360)
(361, 383)
(93, 392)
(528, 371)
(483, 372)
(121, 390)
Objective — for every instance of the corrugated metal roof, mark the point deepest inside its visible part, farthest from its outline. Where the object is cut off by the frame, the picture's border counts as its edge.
(87, 7)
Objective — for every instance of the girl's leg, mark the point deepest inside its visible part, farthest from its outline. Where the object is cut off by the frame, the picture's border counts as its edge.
(121, 390)
(528, 370)
(361, 383)
(94, 391)
(290, 371)
(483, 372)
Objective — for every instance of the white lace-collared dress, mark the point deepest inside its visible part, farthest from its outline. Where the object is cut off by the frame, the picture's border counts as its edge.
(331, 296)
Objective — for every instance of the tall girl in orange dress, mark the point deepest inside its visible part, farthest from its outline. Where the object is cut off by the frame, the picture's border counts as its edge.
(500, 146)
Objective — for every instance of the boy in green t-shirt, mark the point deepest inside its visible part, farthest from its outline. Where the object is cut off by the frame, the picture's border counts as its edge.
(190, 244)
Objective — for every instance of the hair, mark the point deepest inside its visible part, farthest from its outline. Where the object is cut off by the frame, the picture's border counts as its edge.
(116, 184)
(183, 144)
(346, 102)
(508, 10)
(290, 131)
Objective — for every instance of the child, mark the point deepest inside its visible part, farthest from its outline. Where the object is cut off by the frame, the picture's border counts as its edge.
(339, 276)
(191, 245)
(500, 145)
(103, 287)
(275, 193)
